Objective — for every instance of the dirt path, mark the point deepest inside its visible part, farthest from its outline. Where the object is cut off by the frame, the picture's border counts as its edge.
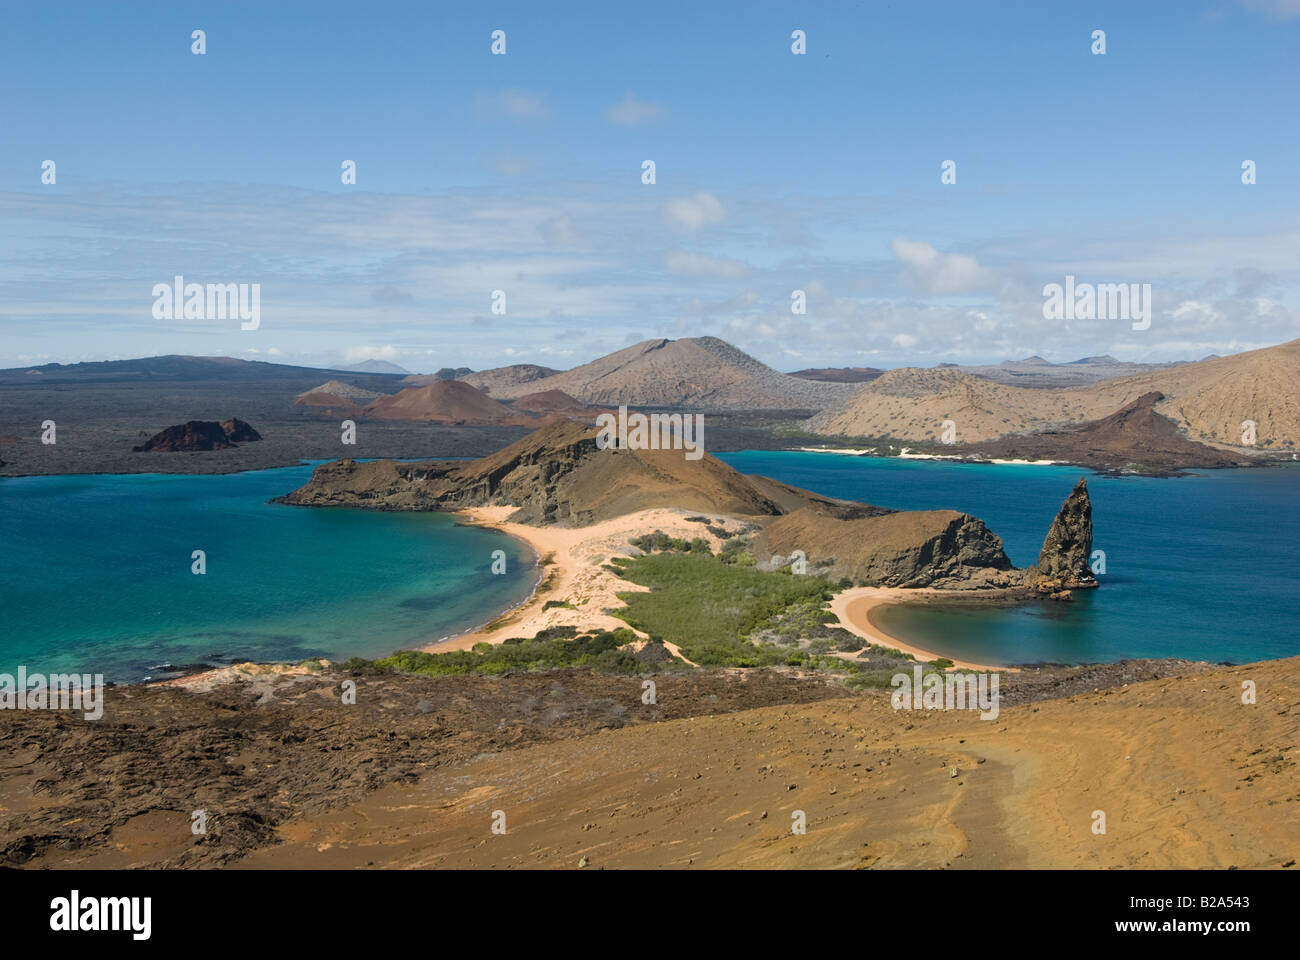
(1186, 775)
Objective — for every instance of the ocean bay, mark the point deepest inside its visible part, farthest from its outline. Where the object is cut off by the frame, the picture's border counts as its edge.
(95, 574)
(1199, 567)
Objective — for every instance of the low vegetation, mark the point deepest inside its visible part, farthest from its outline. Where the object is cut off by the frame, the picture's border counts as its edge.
(720, 610)
(553, 647)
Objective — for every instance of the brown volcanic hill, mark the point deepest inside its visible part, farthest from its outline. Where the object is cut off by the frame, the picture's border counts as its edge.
(445, 401)
(490, 381)
(554, 475)
(558, 475)
(698, 373)
(1207, 400)
(199, 435)
(911, 403)
(334, 393)
(1211, 398)
(1135, 437)
(839, 374)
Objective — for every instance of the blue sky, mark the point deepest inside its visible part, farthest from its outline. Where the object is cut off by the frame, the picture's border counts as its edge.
(522, 173)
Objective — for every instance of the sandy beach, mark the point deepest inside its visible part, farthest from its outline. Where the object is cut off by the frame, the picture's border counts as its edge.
(853, 608)
(573, 571)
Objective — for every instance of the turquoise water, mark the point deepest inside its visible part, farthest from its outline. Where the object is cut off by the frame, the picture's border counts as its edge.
(1203, 567)
(95, 574)
(95, 570)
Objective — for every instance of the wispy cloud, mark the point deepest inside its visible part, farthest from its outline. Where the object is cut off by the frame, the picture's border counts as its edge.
(512, 104)
(691, 213)
(631, 112)
(702, 265)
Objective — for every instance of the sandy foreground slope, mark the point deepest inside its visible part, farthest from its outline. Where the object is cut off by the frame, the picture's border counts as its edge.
(1186, 774)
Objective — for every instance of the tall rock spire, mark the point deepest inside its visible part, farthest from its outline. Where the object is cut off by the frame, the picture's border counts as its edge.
(1063, 563)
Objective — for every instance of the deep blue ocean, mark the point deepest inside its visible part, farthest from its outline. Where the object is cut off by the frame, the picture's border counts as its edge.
(1204, 567)
(96, 574)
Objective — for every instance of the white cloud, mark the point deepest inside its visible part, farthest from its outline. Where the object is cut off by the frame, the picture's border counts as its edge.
(698, 210)
(938, 273)
(513, 104)
(702, 265)
(631, 112)
(362, 354)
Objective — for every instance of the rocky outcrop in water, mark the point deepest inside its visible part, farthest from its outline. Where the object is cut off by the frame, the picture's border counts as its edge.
(1063, 563)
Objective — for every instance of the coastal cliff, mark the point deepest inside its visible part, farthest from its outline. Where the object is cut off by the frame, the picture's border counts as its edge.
(932, 548)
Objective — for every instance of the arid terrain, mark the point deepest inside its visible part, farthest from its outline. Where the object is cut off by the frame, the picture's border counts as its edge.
(1207, 401)
(1022, 410)
(710, 775)
(104, 410)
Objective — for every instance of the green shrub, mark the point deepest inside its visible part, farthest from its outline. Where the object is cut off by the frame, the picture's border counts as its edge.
(553, 647)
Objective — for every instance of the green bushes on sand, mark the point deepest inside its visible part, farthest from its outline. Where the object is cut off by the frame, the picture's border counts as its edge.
(709, 608)
(555, 647)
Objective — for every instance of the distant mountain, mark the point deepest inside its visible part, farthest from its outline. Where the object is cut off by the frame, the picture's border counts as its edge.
(450, 373)
(704, 372)
(1135, 436)
(838, 374)
(1035, 372)
(374, 366)
(160, 369)
(1207, 400)
(492, 381)
(446, 401)
(911, 403)
(334, 393)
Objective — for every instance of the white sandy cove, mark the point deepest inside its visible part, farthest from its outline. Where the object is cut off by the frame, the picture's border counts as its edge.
(853, 608)
(575, 574)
